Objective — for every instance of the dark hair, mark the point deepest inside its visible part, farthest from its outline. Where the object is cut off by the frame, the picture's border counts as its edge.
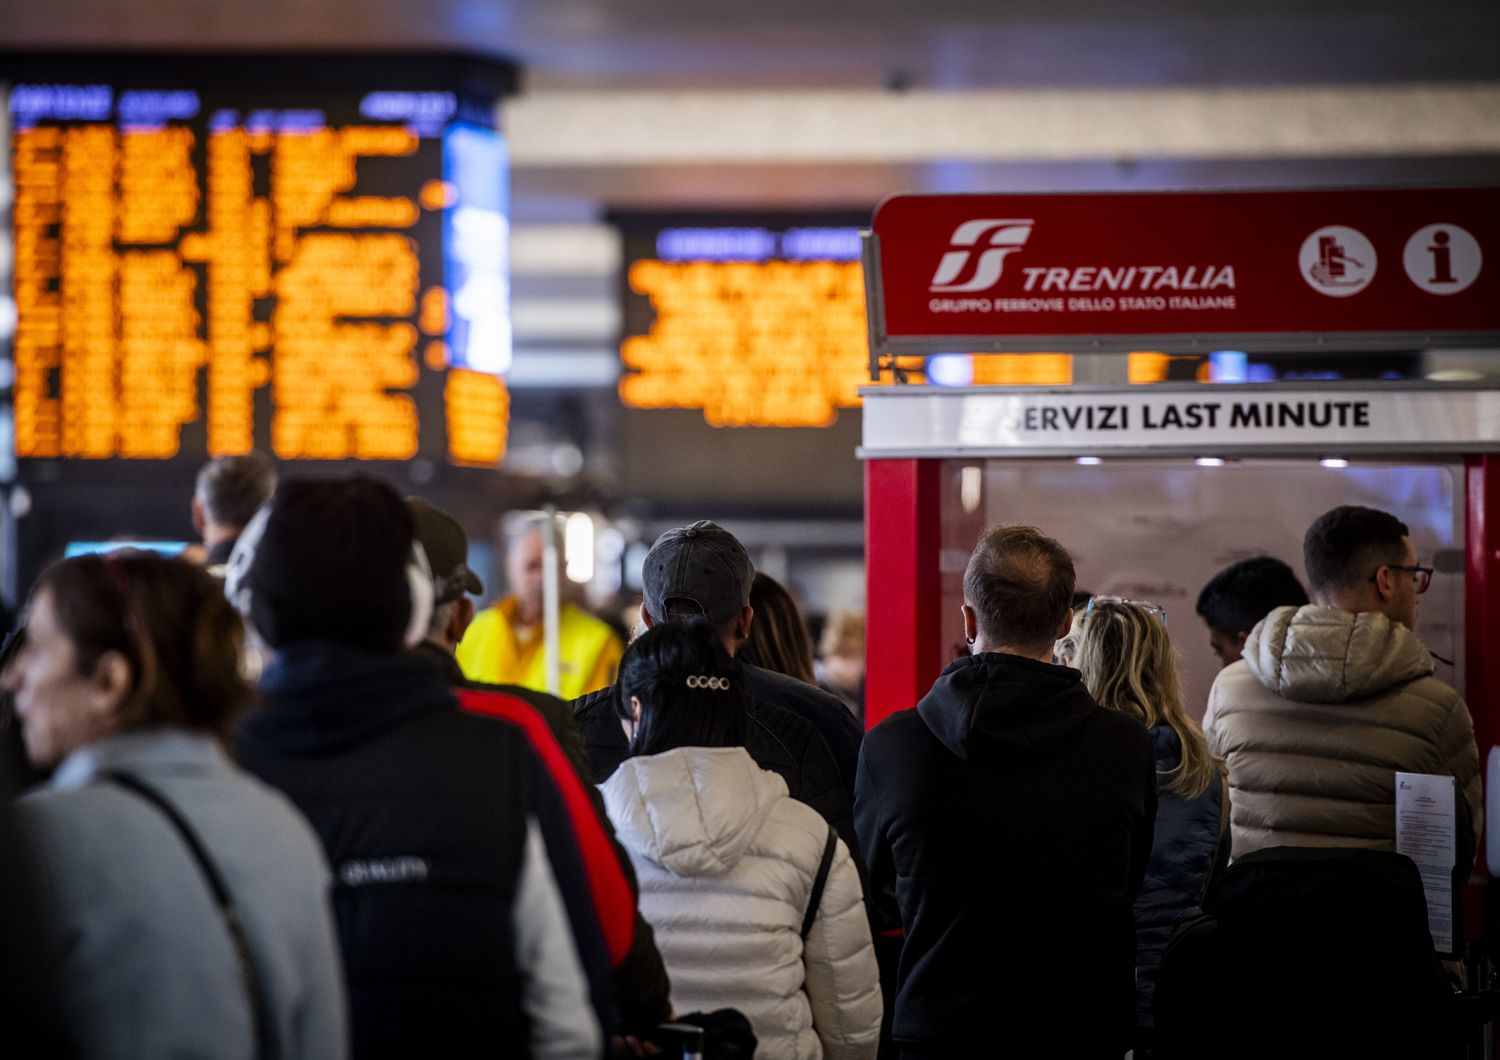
(170, 621)
(674, 713)
(681, 609)
(232, 488)
(778, 637)
(1343, 547)
(1243, 593)
(1020, 584)
(331, 565)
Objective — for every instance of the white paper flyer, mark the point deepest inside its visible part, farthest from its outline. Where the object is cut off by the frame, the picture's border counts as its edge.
(1426, 830)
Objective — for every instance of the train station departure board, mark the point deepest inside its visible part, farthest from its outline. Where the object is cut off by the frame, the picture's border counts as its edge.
(306, 256)
(759, 321)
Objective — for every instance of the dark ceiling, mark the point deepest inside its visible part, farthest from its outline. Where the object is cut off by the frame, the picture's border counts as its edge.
(832, 43)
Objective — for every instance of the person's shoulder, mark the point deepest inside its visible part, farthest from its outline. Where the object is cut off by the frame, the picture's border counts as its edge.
(491, 731)
(824, 711)
(598, 703)
(46, 807)
(1123, 730)
(793, 827)
(544, 703)
(897, 731)
(779, 687)
(1236, 687)
(1435, 694)
(779, 719)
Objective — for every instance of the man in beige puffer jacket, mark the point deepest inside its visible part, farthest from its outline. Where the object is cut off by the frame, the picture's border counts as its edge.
(1331, 700)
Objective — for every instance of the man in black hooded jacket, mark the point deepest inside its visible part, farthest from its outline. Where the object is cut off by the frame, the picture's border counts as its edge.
(1010, 817)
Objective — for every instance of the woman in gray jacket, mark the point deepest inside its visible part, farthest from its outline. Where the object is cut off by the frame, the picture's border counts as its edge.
(184, 904)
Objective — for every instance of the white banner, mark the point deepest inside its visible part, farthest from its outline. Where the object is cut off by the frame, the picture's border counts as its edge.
(1197, 420)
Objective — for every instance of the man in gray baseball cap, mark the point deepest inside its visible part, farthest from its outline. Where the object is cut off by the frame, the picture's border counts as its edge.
(702, 572)
(699, 571)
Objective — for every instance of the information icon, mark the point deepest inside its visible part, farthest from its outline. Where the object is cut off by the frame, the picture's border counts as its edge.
(1442, 259)
(1337, 261)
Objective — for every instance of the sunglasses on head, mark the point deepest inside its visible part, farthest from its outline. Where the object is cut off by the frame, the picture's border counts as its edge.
(1145, 605)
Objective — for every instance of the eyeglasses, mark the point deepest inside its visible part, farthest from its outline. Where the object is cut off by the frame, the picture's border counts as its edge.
(1145, 605)
(1421, 575)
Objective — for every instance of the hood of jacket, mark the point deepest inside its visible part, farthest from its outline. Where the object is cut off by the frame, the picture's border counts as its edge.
(693, 810)
(1318, 654)
(995, 708)
(320, 698)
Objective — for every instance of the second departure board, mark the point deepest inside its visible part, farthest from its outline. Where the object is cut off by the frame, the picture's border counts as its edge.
(306, 257)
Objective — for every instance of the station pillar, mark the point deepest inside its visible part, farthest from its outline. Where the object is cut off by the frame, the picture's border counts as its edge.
(903, 644)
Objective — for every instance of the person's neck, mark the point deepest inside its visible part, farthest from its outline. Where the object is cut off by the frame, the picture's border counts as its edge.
(1034, 654)
(1354, 603)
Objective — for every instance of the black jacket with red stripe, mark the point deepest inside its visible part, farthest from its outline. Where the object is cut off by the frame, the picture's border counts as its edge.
(642, 989)
(376, 753)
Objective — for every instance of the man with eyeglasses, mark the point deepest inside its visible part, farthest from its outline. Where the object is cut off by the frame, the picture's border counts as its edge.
(1332, 699)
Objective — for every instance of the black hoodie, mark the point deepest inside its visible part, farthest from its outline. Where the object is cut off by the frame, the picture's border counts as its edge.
(1010, 817)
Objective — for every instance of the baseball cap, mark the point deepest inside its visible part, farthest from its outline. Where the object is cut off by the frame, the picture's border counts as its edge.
(447, 548)
(702, 563)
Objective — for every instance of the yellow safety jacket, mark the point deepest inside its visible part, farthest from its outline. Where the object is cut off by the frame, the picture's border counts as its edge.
(588, 651)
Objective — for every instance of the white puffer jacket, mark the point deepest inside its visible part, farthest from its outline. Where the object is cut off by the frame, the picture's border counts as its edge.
(726, 860)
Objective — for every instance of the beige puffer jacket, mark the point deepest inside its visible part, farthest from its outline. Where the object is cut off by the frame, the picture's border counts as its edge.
(1323, 710)
(726, 861)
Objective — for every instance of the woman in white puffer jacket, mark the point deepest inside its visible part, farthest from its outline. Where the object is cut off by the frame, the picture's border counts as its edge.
(727, 861)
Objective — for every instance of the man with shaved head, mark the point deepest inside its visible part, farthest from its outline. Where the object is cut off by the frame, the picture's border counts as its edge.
(1010, 817)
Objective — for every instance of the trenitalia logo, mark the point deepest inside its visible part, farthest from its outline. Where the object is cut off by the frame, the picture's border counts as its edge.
(998, 237)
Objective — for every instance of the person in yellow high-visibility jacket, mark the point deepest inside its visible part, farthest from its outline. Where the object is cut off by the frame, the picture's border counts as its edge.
(506, 644)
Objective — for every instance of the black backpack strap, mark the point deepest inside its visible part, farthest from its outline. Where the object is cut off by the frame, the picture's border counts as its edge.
(260, 1017)
(820, 881)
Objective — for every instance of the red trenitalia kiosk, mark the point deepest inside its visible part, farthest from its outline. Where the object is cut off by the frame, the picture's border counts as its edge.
(1154, 488)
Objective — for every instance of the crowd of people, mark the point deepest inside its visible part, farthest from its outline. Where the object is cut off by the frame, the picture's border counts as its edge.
(299, 800)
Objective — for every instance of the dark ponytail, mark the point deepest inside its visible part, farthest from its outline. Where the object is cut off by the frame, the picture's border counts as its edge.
(691, 692)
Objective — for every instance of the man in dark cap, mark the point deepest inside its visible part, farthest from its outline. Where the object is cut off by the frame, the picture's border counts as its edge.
(702, 572)
(642, 990)
(462, 900)
(447, 548)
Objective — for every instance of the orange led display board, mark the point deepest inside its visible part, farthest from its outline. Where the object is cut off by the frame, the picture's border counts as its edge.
(201, 268)
(757, 323)
(760, 322)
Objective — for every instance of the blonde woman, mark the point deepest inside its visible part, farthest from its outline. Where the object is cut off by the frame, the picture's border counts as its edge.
(1128, 664)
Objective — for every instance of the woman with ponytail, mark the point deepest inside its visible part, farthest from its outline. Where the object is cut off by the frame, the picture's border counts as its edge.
(185, 909)
(755, 901)
(1129, 665)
